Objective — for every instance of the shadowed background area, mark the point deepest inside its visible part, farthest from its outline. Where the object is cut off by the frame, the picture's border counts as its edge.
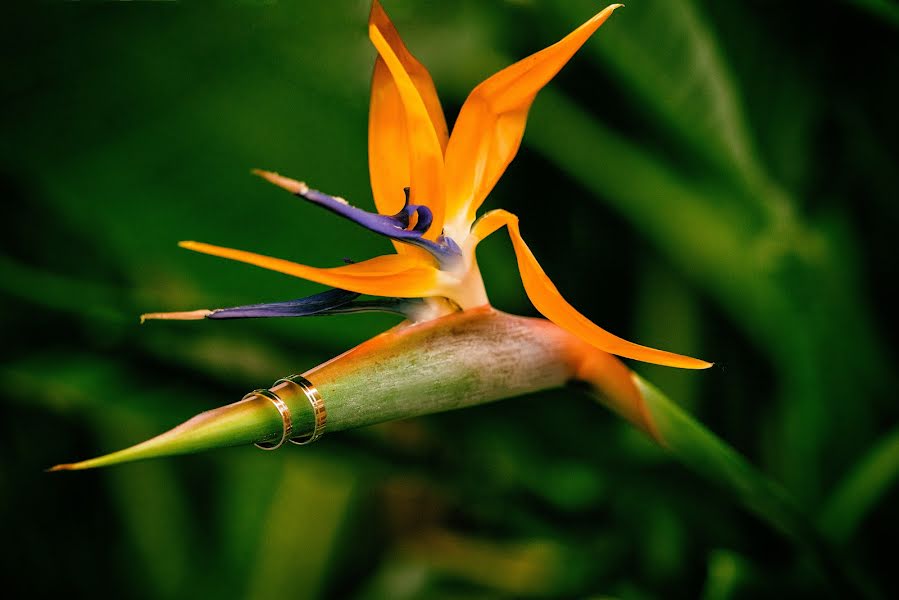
(713, 179)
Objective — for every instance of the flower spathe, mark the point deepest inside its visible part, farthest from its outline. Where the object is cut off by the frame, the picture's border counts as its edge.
(428, 185)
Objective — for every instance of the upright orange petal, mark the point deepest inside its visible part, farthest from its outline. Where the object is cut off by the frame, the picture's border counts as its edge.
(408, 85)
(547, 299)
(488, 132)
(417, 72)
(388, 147)
(395, 275)
(388, 142)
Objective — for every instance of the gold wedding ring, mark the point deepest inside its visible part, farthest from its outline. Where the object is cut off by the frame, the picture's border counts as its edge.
(318, 408)
(286, 420)
(315, 399)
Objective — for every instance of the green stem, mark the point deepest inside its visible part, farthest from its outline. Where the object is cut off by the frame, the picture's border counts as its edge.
(699, 449)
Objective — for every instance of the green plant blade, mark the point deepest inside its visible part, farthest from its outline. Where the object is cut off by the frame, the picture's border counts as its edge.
(860, 490)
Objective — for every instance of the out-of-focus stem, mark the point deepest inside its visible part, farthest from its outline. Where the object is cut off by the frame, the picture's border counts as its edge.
(699, 449)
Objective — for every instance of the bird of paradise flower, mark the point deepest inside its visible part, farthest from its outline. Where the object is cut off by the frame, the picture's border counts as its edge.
(428, 186)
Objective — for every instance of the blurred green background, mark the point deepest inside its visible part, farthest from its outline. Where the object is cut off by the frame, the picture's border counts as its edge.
(717, 179)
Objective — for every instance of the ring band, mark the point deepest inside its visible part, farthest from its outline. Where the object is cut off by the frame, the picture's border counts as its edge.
(286, 420)
(319, 413)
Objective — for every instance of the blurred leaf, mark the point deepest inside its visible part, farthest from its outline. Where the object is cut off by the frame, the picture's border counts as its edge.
(246, 488)
(667, 56)
(885, 9)
(295, 560)
(523, 569)
(664, 545)
(668, 315)
(696, 447)
(727, 572)
(156, 513)
(402, 580)
(861, 488)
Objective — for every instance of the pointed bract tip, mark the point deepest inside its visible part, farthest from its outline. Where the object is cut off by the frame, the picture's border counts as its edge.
(62, 467)
(291, 185)
(188, 315)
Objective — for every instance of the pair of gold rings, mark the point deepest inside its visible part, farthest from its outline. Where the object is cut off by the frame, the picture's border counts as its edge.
(315, 400)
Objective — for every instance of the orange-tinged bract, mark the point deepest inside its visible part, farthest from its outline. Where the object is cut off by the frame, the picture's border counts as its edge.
(428, 185)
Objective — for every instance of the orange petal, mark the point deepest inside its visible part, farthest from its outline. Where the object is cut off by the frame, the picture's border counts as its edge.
(388, 147)
(488, 132)
(388, 142)
(424, 125)
(395, 275)
(547, 299)
(416, 71)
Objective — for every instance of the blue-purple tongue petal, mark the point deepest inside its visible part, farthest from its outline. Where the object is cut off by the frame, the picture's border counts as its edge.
(301, 307)
(331, 302)
(394, 227)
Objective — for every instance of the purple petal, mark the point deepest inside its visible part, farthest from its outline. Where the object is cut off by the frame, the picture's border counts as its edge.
(393, 227)
(331, 302)
(302, 307)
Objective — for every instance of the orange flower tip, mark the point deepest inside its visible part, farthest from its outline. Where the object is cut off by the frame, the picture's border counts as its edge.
(377, 12)
(291, 185)
(687, 362)
(607, 11)
(190, 315)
